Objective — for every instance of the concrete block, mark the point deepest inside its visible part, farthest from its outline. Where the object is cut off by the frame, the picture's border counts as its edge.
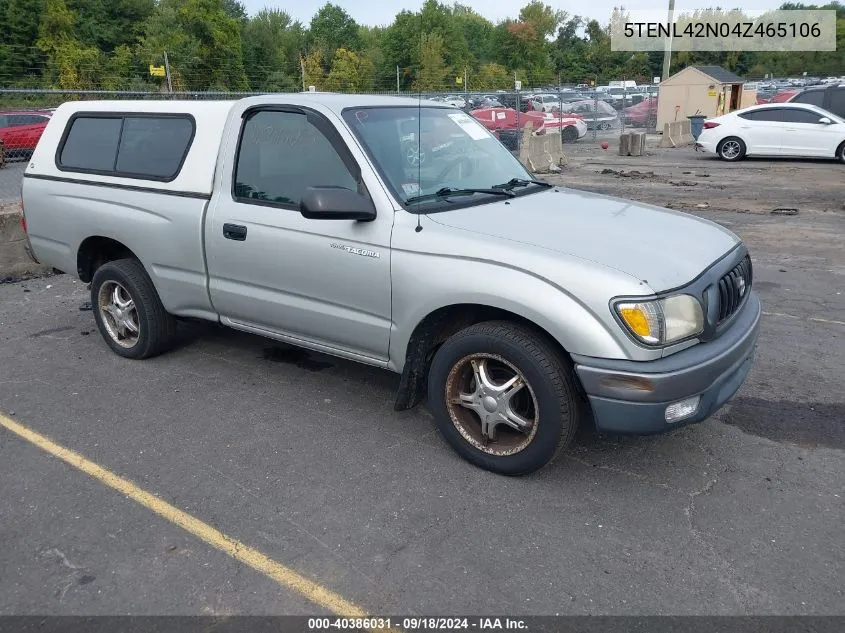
(624, 143)
(677, 134)
(541, 152)
(637, 143)
(15, 260)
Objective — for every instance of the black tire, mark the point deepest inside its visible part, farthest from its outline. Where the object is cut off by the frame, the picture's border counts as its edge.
(731, 149)
(604, 125)
(840, 152)
(156, 328)
(569, 134)
(549, 382)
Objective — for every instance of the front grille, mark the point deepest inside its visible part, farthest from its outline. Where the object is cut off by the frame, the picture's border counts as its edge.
(734, 288)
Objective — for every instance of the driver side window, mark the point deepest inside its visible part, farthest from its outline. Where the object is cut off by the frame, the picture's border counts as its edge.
(281, 154)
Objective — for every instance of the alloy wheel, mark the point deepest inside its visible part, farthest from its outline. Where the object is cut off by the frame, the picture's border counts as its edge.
(119, 314)
(491, 404)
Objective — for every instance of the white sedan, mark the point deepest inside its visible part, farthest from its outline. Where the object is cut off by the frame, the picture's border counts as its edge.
(775, 129)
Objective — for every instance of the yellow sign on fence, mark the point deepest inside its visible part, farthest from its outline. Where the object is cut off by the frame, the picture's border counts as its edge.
(157, 71)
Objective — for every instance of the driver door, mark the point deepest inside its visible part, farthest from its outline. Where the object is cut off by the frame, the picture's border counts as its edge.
(321, 283)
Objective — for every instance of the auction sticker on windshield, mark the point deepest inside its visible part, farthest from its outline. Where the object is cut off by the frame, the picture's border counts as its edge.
(475, 131)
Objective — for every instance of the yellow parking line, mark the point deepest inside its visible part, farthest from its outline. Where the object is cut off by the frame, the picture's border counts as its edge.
(284, 576)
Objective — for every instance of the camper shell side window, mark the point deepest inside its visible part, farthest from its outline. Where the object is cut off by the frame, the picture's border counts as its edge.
(145, 146)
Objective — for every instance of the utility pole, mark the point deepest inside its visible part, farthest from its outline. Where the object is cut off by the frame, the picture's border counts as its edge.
(167, 72)
(667, 54)
(397, 78)
(302, 69)
(466, 88)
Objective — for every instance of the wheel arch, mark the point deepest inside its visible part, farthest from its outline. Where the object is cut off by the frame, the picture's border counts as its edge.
(436, 327)
(96, 250)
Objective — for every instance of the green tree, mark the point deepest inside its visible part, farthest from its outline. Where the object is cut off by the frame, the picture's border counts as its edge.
(476, 31)
(332, 28)
(439, 19)
(313, 71)
(398, 48)
(370, 39)
(202, 42)
(107, 24)
(271, 43)
(71, 64)
(433, 69)
(491, 76)
(19, 57)
(543, 18)
(235, 9)
(350, 72)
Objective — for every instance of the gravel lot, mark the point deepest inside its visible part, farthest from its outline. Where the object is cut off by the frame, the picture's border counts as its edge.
(302, 457)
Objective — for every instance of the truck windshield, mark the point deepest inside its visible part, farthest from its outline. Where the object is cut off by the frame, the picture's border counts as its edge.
(428, 150)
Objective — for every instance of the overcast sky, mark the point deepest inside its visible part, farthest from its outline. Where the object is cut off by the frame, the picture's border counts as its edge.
(381, 12)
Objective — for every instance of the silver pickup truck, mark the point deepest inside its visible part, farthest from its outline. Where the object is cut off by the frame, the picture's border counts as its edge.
(398, 233)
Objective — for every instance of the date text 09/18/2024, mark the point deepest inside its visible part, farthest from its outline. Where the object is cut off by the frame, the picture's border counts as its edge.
(417, 623)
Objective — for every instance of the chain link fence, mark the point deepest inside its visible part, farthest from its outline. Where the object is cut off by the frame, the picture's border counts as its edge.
(579, 116)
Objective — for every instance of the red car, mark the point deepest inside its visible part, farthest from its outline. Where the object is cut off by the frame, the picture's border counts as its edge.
(781, 97)
(497, 119)
(21, 129)
(643, 114)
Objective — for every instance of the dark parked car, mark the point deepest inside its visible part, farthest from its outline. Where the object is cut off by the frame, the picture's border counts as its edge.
(598, 115)
(830, 97)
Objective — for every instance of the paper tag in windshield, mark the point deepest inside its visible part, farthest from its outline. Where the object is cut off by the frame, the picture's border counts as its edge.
(474, 130)
(411, 188)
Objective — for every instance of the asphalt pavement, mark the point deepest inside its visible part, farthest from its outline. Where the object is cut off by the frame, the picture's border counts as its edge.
(302, 457)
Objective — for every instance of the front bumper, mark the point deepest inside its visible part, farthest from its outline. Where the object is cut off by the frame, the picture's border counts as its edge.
(630, 397)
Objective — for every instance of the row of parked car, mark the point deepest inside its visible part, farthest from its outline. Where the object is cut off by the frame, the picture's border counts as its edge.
(829, 96)
(503, 113)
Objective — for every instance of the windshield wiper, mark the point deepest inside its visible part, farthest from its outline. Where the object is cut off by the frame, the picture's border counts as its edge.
(521, 182)
(446, 192)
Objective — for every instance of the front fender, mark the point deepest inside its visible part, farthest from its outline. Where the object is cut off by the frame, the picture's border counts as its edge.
(458, 281)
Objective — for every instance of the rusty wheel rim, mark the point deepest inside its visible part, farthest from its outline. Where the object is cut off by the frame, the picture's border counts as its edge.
(119, 314)
(491, 404)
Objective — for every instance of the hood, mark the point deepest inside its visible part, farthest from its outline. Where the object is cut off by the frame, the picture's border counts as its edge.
(661, 247)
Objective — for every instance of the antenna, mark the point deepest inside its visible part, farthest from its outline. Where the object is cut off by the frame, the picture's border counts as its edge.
(419, 144)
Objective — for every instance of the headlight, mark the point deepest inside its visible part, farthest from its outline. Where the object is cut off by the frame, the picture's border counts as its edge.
(663, 321)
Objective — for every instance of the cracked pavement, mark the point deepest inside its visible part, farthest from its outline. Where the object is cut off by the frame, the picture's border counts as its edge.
(302, 457)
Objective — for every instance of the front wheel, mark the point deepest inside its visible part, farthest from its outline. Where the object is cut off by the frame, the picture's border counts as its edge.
(503, 397)
(731, 149)
(840, 153)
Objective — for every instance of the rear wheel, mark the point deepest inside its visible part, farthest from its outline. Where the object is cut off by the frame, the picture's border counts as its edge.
(503, 397)
(731, 149)
(840, 152)
(128, 311)
(604, 125)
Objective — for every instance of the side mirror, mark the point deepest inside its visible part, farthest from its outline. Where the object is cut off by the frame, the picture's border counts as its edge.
(825, 121)
(335, 203)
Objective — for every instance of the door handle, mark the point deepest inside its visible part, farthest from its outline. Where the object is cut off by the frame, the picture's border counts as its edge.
(235, 232)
